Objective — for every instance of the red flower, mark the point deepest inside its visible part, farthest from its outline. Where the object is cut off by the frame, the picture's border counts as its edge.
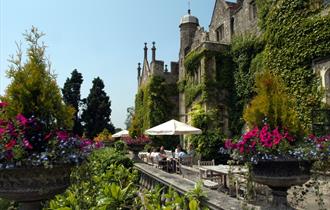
(10, 144)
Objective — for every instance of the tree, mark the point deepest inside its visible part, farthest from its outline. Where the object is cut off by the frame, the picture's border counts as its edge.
(71, 96)
(129, 117)
(96, 115)
(33, 90)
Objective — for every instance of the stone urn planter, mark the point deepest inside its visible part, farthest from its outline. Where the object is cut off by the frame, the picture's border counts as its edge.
(31, 186)
(279, 176)
(135, 149)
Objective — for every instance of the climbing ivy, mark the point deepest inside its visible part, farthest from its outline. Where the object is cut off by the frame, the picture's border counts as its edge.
(295, 33)
(153, 105)
(215, 89)
(246, 51)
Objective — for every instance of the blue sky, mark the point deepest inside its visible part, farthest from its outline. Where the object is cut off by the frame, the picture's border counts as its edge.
(99, 38)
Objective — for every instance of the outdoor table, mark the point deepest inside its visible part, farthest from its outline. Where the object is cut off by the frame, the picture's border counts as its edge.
(223, 171)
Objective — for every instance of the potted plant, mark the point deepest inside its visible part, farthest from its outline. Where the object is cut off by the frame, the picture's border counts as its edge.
(35, 162)
(135, 145)
(36, 152)
(275, 143)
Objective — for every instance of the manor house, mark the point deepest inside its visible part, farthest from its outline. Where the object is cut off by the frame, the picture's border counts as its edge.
(228, 20)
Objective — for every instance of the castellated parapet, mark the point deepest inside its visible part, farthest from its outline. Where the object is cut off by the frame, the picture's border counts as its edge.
(156, 68)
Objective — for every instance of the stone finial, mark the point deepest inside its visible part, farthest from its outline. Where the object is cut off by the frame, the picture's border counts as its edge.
(153, 51)
(139, 70)
(166, 70)
(145, 51)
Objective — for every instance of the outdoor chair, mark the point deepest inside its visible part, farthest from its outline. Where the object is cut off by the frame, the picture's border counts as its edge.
(205, 163)
(187, 161)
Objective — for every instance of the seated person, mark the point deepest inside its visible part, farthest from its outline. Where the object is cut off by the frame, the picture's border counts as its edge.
(191, 151)
(162, 152)
(179, 153)
(155, 156)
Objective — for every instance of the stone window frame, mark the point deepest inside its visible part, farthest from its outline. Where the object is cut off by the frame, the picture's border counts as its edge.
(253, 10)
(327, 84)
(220, 32)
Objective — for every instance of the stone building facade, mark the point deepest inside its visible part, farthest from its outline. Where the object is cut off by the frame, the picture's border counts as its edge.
(228, 20)
(156, 68)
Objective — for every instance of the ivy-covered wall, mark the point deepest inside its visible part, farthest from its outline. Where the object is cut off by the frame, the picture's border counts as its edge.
(216, 90)
(154, 104)
(296, 32)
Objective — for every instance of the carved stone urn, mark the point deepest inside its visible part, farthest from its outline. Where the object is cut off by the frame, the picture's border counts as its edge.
(30, 186)
(135, 149)
(279, 176)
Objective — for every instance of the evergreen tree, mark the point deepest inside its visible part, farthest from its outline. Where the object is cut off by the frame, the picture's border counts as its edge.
(71, 96)
(96, 115)
(33, 90)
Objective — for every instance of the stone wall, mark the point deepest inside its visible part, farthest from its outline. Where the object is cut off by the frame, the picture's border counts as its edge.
(244, 20)
(322, 68)
(221, 17)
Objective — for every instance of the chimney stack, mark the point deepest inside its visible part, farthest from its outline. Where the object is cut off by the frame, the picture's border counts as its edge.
(153, 51)
(145, 51)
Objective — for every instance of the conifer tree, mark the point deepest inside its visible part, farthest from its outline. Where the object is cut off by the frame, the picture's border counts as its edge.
(97, 112)
(71, 96)
(33, 90)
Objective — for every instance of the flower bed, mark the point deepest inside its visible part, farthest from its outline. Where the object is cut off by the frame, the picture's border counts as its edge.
(29, 142)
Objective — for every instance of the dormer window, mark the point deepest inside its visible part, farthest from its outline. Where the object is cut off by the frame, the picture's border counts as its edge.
(220, 33)
(253, 10)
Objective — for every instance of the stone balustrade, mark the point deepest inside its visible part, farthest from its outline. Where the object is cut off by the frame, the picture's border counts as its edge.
(151, 176)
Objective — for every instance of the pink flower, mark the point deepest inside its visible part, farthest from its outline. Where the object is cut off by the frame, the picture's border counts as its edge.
(2, 131)
(21, 119)
(62, 135)
(3, 104)
(27, 144)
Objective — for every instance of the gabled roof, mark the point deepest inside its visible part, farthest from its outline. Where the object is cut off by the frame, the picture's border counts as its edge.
(232, 6)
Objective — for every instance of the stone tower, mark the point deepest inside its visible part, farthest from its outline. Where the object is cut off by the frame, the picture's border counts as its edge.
(188, 27)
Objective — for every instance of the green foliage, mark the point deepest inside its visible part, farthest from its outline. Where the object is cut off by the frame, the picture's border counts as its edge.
(295, 34)
(71, 97)
(5, 204)
(108, 181)
(96, 115)
(192, 61)
(272, 102)
(119, 145)
(33, 90)
(217, 90)
(244, 50)
(200, 118)
(153, 106)
(105, 181)
(208, 145)
(167, 199)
